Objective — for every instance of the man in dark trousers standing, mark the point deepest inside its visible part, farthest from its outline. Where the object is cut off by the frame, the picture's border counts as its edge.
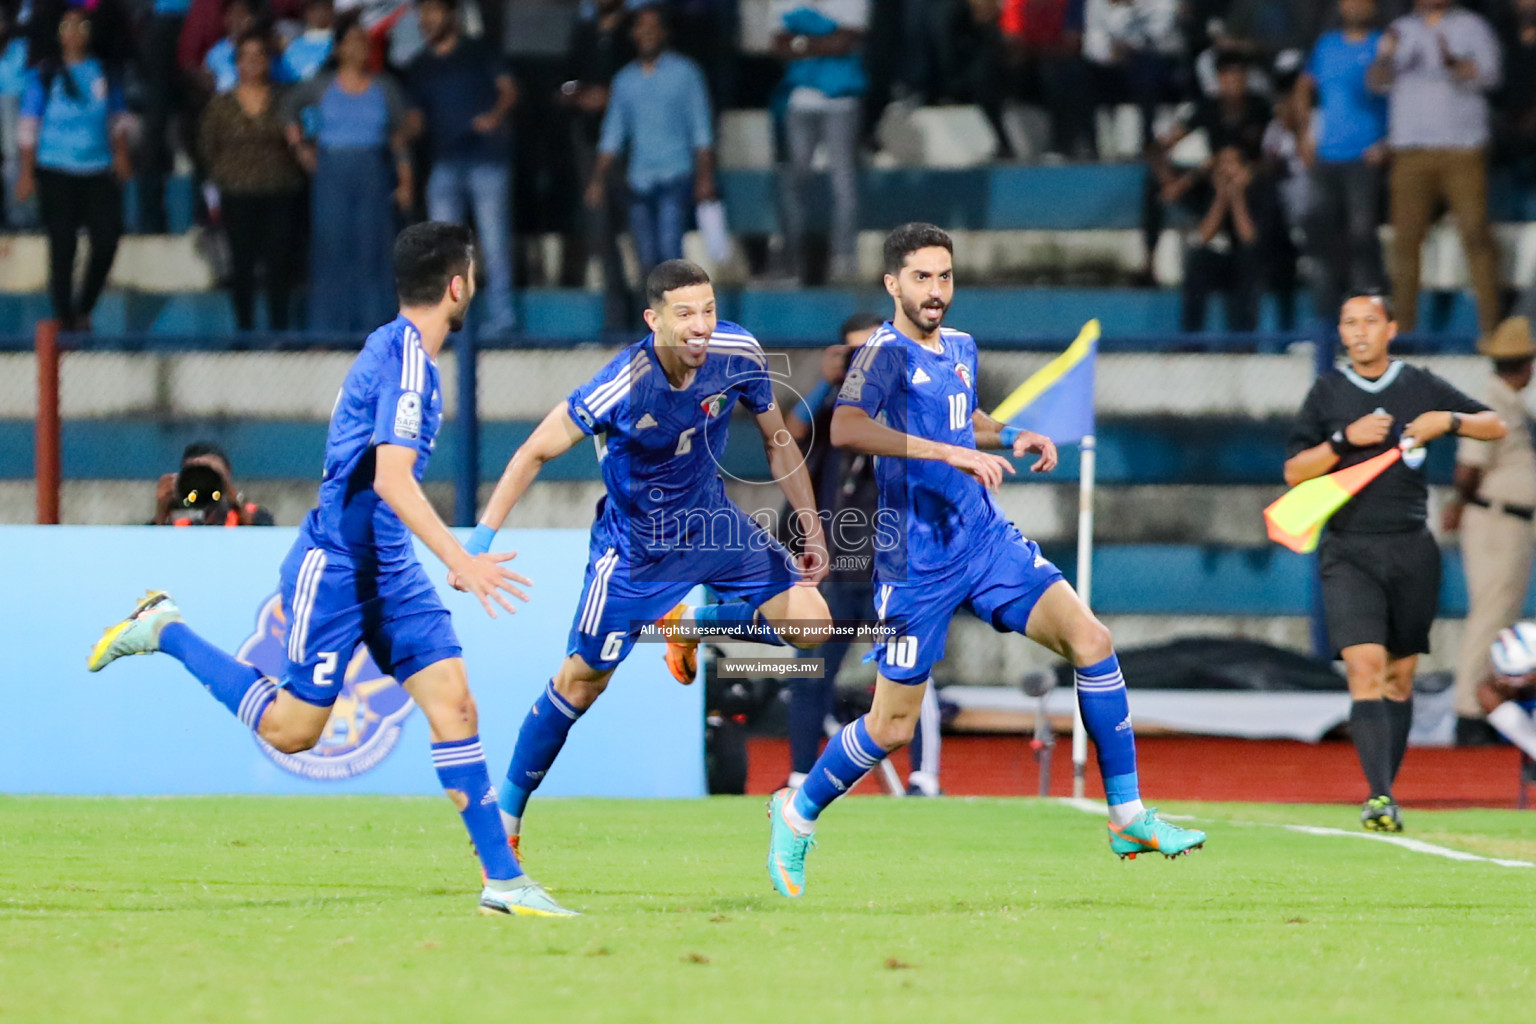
(1380, 565)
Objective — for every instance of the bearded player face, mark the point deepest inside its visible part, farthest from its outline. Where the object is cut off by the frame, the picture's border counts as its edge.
(925, 287)
(465, 287)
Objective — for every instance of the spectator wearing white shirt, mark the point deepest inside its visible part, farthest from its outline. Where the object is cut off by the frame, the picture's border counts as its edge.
(1436, 66)
(1133, 47)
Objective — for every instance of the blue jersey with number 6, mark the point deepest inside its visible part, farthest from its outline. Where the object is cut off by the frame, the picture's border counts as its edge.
(661, 446)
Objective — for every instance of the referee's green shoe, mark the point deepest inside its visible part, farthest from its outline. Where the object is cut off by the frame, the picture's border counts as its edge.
(1151, 834)
(139, 633)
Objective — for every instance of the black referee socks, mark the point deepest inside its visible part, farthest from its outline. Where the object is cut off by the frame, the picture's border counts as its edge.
(1400, 715)
(1370, 725)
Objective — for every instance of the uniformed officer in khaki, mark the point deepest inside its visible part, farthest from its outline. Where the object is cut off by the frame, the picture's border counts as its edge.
(1494, 507)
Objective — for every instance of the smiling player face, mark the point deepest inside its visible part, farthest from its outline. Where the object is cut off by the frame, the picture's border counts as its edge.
(684, 322)
(1366, 330)
(924, 288)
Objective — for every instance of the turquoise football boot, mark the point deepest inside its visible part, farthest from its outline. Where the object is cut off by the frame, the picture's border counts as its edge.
(1151, 834)
(786, 849)
(526, 900)
(139, 633)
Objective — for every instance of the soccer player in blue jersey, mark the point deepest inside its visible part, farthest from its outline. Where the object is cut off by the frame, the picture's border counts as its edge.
(352, 575)
(909, 398)
(659, 411)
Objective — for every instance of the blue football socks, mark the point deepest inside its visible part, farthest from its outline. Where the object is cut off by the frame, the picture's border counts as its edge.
(238, 686)
(461, 769)
(732, 620)
(848, 758)
(539, 741)
(1107, 717)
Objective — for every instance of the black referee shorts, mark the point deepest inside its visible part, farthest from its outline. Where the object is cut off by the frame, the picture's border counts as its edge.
(1380, 588)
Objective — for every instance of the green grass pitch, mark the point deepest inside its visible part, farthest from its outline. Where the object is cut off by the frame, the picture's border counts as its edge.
(362, 909)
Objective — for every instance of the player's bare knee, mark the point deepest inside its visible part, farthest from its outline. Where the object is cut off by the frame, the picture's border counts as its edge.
(893, 732)
(451, 713)
(289, 737)
(1090, 642)
(809, 634)
(579, 684)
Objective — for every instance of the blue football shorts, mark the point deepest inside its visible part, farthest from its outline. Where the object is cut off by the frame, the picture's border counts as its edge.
(618, 599)
(1000, 583)
(330, 609)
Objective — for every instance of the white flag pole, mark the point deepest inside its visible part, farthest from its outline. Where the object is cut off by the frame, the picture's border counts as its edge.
(1084, 590)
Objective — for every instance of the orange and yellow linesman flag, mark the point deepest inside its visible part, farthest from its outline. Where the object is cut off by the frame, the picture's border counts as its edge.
(1296, 519)
(1057, 400)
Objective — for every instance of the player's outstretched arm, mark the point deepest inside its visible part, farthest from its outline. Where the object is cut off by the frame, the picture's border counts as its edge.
(787, 464)
(991, 433)
(854, 428)
(395, 483)
(552, 438)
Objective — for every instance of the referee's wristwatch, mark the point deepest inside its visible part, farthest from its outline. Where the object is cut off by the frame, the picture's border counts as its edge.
(1455, 424)
(1340, 443)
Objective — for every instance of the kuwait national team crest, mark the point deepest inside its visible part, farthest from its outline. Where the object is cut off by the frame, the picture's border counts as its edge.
(965, 375)
(712, 405)
(365, 721)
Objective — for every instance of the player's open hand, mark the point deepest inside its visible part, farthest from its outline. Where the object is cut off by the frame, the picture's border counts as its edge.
(1368, 430)
(1029, 442)
(486, 578)
(984, 466)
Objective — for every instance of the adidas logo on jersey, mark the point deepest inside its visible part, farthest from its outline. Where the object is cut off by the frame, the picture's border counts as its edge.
(920, 377)
(645, 421)
(1039, 561)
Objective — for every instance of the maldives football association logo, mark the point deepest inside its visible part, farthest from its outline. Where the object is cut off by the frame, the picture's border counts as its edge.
(365, 722)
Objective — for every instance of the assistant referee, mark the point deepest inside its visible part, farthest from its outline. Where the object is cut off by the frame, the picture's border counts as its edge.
(1380, 565)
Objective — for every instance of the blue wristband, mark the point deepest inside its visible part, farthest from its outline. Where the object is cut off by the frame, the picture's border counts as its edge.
(1008, 435)
(480, 540)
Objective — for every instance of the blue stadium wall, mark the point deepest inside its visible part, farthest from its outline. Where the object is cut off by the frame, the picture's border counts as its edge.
(144, 726)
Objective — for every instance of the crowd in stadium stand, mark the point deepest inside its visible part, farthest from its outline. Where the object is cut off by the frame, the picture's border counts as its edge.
(1319, 118)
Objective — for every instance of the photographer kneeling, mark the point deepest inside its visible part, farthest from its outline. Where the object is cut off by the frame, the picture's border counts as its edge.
(203, 493)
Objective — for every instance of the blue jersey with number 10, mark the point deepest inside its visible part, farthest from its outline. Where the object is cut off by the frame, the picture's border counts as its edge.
(943, 513)
(391, 396)
(661, 446)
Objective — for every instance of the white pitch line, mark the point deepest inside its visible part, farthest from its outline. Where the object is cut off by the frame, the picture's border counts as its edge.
(1098, 808)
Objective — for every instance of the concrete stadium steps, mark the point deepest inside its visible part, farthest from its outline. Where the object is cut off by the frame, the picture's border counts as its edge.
(995, 314)
(1165, 450)
(525, 384)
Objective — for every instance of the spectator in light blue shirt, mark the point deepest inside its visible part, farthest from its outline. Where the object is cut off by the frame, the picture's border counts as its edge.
(658, 112)
(305, 56)
(349, 126)
(13, 79)
(1347, 149)
(240, 17)
(74, 155)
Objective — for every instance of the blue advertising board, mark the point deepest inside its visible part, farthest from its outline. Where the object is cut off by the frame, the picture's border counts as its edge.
(145, 726)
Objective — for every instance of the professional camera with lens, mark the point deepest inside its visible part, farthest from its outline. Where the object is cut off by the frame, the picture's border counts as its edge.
(202, 496)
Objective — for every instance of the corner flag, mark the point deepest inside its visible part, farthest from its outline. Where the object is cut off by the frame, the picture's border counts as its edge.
(1296, 519)
(1057, 400)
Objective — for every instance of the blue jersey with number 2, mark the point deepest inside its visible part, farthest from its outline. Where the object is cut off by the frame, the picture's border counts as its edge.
(391, 396)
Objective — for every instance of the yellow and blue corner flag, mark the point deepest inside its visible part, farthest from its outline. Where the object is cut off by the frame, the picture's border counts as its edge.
(1057, 400)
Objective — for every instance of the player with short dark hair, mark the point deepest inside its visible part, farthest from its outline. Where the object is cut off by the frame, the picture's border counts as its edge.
(1380, 564)
(659, 414)
(352, 575)
(909, 398)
